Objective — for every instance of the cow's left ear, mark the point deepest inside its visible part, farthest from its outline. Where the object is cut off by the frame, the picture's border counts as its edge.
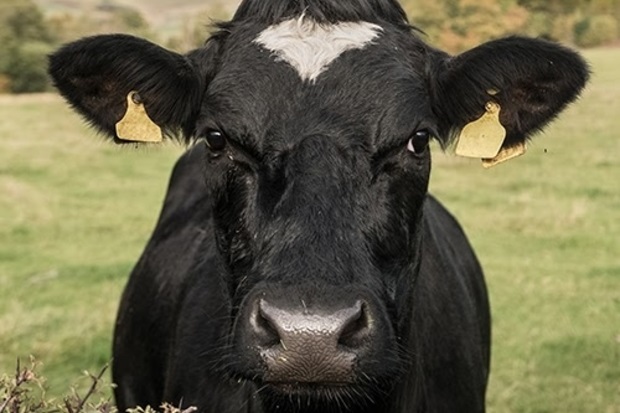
(529, 81)
(107, 77)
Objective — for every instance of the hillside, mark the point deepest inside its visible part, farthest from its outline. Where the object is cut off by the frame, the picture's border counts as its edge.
(163, 15)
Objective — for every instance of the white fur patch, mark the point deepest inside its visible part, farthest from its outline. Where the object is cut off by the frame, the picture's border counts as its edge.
(310, 47)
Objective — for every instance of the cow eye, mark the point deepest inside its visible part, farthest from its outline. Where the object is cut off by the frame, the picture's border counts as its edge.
(216, 140)
(419, 141)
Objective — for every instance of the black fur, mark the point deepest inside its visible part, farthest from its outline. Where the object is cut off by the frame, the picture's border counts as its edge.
(325, 11)
(314, 202)
(535, 80)
(97, 73)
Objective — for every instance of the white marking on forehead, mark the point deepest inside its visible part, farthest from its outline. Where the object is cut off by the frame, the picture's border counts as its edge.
(310, 47)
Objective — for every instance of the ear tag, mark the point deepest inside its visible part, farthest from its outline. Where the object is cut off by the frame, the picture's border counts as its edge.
(482, 138)
(506, 154)
(136, 126)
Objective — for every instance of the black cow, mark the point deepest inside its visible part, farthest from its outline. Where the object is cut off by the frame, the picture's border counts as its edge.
(299, 264)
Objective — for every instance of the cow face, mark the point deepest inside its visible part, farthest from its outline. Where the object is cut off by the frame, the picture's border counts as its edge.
(318, 132)
(319, 179)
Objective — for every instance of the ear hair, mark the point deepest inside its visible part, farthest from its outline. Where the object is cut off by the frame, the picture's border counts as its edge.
(95, 75)
(531, 79)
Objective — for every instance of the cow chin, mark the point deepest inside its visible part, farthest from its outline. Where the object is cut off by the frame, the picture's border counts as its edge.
(328, 397)
(342, 352)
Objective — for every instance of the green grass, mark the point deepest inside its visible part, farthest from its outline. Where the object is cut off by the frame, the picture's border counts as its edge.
(546, 229)
(75, 213)
(167, 17)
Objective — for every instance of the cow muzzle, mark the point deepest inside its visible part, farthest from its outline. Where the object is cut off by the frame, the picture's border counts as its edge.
(300, 345)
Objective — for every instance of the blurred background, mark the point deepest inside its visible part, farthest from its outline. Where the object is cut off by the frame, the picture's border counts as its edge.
(76, 211)
(29, 29)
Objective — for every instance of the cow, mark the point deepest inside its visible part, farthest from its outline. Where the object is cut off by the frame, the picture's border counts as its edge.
(299, 263)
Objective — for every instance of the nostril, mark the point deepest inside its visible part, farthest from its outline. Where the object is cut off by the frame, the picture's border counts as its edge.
(356, 327)
(264, 330)
(347, 329)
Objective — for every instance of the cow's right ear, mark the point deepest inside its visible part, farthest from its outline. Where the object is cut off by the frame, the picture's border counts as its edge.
(98, 74)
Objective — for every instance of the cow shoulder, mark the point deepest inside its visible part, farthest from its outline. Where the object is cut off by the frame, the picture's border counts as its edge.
(452, 328)
(148, 311)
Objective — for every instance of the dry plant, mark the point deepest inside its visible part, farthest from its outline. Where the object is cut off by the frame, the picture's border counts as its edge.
(24, 392)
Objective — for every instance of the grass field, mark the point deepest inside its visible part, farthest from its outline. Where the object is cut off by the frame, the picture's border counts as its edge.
(75, 213)
(167, 17)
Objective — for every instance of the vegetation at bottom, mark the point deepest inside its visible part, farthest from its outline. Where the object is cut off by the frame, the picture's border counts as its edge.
(24, 392)
(75, 213)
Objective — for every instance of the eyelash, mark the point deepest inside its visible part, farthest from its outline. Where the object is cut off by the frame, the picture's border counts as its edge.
(418, 142)
(220, 141)
(251, 154)
(216, 140)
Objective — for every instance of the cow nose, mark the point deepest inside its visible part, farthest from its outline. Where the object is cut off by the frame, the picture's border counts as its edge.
(298, 345)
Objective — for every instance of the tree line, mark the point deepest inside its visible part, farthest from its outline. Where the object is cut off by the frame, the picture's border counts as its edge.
(27, 35)
(456, 25)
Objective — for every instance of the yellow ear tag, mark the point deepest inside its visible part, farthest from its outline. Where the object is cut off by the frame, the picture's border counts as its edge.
(136, 126)
(482, 138)
(506, 154)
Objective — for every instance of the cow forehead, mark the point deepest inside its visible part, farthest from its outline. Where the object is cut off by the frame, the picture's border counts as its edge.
(366, 97)
(310, 47)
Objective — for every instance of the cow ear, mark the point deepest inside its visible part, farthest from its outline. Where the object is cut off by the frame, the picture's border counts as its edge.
(529, 81)
(103, 76)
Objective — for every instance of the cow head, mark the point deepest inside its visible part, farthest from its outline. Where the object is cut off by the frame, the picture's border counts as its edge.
(318, 121)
